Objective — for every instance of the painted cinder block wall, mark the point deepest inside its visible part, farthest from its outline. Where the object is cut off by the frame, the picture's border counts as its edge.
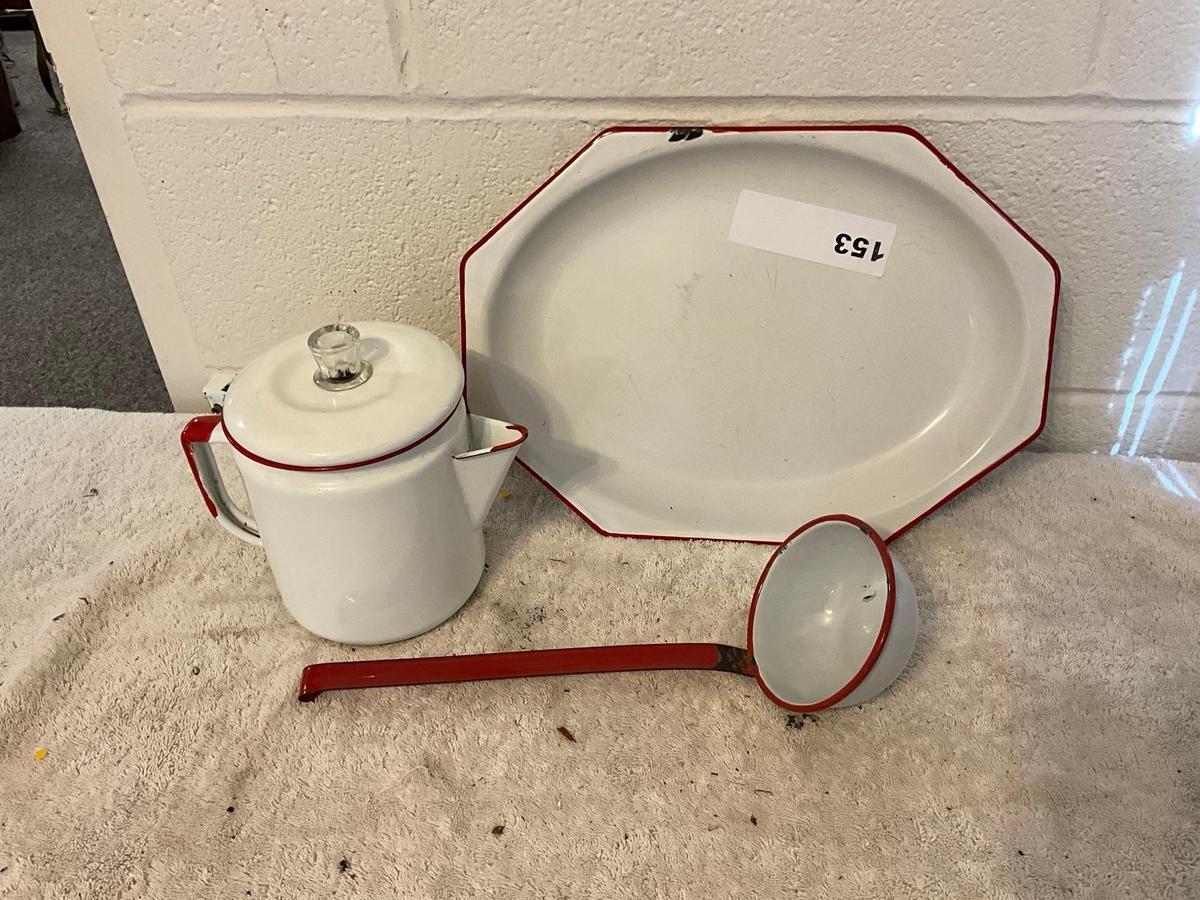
(269, 166)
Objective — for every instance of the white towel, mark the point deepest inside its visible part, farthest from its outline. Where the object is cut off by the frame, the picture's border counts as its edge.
(1042, 743)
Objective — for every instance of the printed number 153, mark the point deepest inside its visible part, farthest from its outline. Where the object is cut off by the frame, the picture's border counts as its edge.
(857, 247)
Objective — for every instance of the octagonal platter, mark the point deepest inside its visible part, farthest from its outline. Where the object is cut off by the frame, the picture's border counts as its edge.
(722, 332)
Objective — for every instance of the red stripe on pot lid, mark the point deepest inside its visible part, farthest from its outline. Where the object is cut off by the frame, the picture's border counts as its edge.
(276, 414)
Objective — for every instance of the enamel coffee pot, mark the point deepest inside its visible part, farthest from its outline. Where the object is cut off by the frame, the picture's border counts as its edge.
(368, 479)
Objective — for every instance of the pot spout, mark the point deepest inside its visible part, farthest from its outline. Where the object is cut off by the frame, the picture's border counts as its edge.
(480, 470)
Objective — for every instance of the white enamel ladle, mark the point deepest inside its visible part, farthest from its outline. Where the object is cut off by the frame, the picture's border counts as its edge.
(833, 622)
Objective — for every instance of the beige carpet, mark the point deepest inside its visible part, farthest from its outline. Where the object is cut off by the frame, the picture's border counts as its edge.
(1043, 743)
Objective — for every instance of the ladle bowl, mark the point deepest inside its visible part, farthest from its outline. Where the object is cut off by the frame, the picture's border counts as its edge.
(832, 623)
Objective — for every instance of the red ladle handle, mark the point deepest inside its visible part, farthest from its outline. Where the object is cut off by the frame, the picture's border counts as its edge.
(365, 673)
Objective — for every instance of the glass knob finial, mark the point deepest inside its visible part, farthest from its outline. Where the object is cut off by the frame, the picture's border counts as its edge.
(338, 352)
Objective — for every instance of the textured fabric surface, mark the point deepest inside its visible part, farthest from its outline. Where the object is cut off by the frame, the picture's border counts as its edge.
(1042, 743)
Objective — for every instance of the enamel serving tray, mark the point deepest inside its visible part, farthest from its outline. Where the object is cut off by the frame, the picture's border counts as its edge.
(718, 333)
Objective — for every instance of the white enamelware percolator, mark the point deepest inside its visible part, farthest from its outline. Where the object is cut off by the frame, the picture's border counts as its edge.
(368, 480)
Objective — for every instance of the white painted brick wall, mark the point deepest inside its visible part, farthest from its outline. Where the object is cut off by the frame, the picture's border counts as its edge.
(184, 47)
(671, 48)
(1150, 49)
(302, 160)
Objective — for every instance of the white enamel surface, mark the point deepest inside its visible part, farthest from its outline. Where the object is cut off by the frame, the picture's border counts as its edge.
(481, 469)
(230, 516)
(274, 409)
(378, 553)
(901, 639)
(819, 612)
(675, 383)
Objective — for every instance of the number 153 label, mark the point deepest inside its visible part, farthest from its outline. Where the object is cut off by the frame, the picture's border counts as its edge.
(816, 233)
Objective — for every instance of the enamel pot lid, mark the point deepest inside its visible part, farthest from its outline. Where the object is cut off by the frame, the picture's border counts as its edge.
(343, 396)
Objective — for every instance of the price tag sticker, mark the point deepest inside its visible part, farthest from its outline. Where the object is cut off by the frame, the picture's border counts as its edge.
(814, 233)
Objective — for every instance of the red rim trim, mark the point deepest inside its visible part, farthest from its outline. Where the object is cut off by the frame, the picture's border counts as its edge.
(620, 534)
(262, 460)
(717, 129)
(520, 430)
(885, 626)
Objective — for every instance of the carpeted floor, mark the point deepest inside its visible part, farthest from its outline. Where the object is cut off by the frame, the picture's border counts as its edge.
(1043, 743)
(67, 315)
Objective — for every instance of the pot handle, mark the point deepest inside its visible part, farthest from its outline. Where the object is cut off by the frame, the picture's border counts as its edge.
(197, 438)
